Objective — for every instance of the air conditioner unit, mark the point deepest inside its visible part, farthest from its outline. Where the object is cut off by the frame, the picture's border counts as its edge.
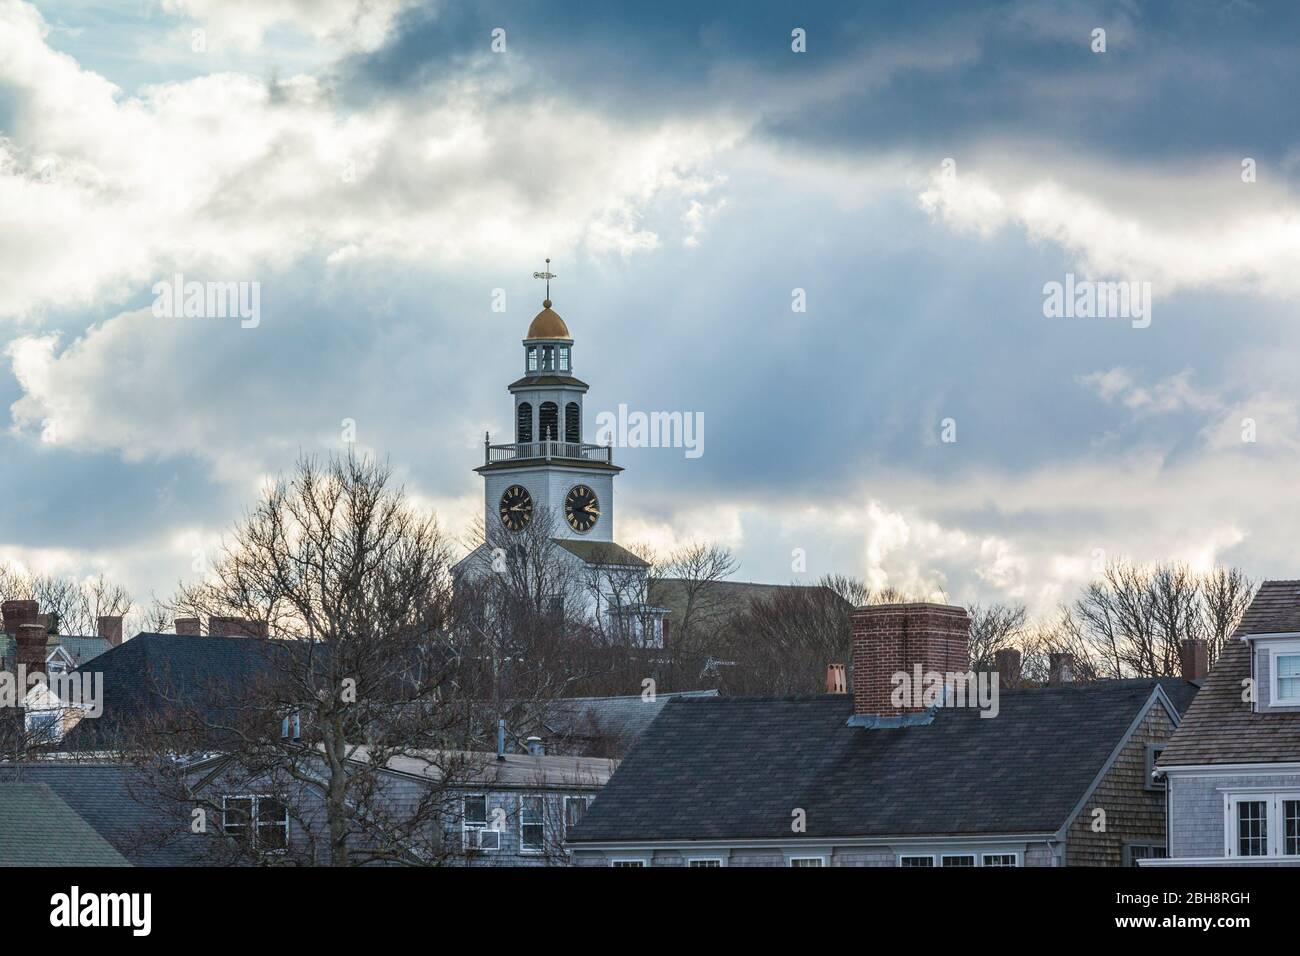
(476, 839)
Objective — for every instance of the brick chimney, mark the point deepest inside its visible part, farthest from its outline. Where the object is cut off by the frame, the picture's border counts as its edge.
(31, 640)
(18, 613)
(109, 627)
(893, 638)
(235, 627)
(835, 679)
(1007, 662)
(1060, 669)
(189, 625)
(1196, 659)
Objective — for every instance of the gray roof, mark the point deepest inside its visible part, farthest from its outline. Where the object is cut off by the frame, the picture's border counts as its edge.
(118, 804)
(737, 767)
(197, 669)
(80, 648)
(1220, 727)
(513, 771)
(39, 829)
(601, 552)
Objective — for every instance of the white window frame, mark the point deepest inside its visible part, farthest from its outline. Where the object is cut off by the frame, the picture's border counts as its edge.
(525, 850)
(629, 862)
(1014, 854)
(917, 856)
(822, 861)
(1273, 801)
(1287, 649)
(466, 827)
(697, 860)
(254, 813)
(974, 859)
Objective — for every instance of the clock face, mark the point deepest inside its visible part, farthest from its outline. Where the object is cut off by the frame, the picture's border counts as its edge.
(581, 509)
(516, 508)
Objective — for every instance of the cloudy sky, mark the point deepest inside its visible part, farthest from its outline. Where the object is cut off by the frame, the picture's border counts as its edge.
(381, 171)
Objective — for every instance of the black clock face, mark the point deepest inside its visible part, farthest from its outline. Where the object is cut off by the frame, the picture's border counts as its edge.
(516, 508)
(581, 509)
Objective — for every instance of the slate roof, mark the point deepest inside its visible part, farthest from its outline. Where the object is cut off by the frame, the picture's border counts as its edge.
(119, 804)
(39, 829)
(1222, 728)
(190, 667)
(736, 767)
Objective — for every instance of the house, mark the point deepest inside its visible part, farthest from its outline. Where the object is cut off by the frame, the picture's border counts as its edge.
(916, 766)
(63, 652)
(1232, 769)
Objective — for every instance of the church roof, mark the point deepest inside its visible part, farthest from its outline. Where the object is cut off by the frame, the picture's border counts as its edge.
(547, 324)
(601, 552)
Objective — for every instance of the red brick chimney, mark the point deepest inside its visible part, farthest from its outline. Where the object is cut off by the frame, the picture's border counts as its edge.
(1007, 662)
(109, 627)
(31, 640)
(235, 627)
(1196, 659)
(18, 613)
(893, 638)
(835, 680)
(189, 625)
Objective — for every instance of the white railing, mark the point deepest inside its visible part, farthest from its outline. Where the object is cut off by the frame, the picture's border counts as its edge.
(519, 451)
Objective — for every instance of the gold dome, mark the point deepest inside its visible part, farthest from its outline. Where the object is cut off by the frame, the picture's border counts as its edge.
(547, 324)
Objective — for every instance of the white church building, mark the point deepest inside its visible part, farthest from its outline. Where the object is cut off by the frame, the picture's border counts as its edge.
(548, 470)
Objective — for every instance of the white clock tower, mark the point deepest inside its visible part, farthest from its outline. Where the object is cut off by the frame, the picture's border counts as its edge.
(548, 465)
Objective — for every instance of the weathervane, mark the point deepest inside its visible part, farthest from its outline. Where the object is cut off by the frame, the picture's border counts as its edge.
(548, 275)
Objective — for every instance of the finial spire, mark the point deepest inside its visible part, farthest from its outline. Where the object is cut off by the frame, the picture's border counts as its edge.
(548, 275)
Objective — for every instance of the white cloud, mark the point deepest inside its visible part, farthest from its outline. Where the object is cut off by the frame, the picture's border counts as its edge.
(353, 24)
(1176, 230)
(227, 176)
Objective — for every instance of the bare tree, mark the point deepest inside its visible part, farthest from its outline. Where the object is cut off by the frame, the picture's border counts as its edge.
(993, 628)
(354, 583)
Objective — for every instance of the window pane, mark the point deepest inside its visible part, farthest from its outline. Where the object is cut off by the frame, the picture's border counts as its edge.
(530, 823)
(707, 863)
(1288, 676)
(238, 813)
(999, 859)
(962, 860)
(475, 811)
(806, 861)
(573, 810)
(915, 861)
(628, 863)
(1291, 827)
(1252, 828)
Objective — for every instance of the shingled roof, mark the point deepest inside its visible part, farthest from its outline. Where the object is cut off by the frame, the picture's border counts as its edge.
(1221, 727)
(39, 829)
(736, 767)
(140, 674)
(119, 803)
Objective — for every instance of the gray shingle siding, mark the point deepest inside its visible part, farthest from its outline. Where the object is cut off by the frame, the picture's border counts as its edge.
(1196, 808)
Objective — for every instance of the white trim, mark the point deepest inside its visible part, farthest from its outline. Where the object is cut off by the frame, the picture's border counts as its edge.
(629, 861)
(1232, 769)
(898, 860)
(798, 846)
(1012, 853)
(974, 858)
(528, 850)
(693, 860)
(465, 828)
(822, 860)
